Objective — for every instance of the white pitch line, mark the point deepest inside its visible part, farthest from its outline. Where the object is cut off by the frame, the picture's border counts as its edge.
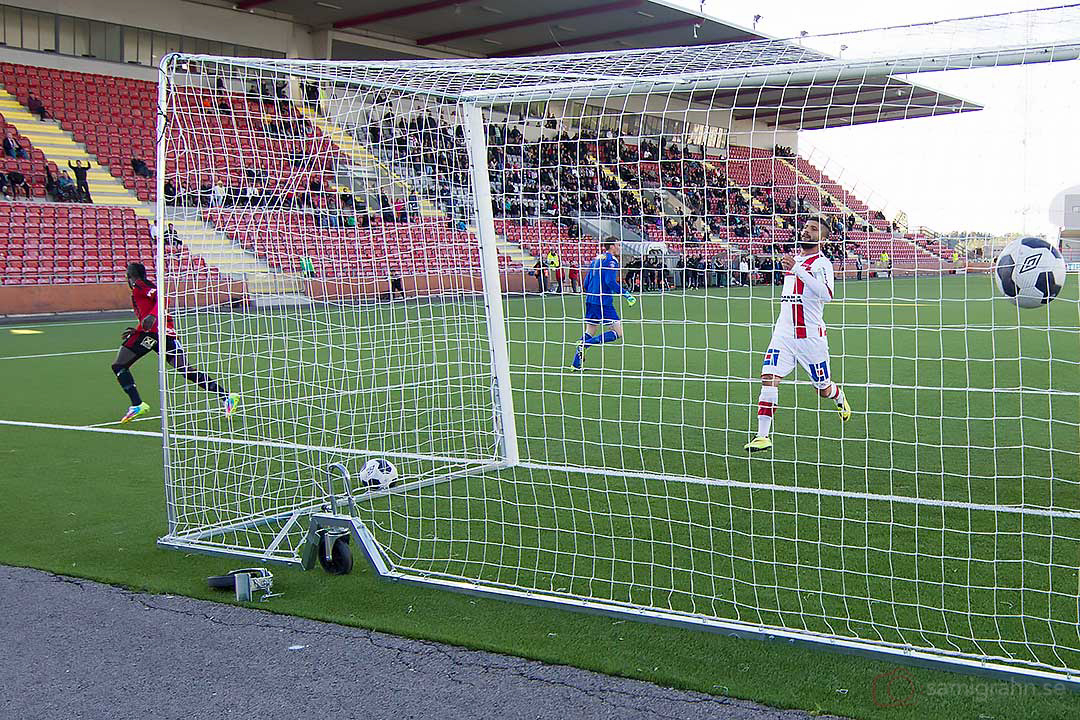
(60, 354)
(118, 422)
(1010, 509)
(84, 428)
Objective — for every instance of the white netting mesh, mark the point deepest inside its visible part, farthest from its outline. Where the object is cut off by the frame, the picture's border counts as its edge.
(342, 290)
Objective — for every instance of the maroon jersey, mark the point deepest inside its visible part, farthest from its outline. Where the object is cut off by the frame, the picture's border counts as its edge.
(144, 301)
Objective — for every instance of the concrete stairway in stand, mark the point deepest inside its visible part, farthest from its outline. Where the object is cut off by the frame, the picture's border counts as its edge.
(219, 251)
(361, 157)
(200, 237)
(59, 146)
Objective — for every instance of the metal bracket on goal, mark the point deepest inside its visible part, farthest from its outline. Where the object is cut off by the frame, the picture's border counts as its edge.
(339, 525)
(324, 528)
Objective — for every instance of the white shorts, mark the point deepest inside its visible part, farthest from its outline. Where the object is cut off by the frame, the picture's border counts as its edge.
(812, 353)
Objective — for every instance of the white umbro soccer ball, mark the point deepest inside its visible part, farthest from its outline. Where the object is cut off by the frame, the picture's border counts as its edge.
(1030, 272)
(378, 474)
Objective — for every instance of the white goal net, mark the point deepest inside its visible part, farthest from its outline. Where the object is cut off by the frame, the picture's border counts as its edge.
(384, 261)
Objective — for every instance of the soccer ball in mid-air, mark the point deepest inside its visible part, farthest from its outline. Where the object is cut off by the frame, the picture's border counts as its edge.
(379, 474)
(1030, 272)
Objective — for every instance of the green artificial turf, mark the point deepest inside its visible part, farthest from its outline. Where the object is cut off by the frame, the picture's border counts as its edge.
(928, 424)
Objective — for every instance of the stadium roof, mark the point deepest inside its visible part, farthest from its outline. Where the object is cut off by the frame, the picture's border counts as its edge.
(779, 83)
(505, 28)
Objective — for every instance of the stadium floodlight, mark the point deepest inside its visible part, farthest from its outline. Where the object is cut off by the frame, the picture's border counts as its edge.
(375, 283)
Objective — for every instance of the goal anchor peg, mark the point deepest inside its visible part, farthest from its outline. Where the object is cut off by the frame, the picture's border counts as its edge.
(245, 582)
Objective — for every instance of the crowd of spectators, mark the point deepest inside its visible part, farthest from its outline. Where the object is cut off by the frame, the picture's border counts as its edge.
(564, 177)
(648, 273)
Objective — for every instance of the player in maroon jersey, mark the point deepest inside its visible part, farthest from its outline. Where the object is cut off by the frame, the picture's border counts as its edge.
(138, 341)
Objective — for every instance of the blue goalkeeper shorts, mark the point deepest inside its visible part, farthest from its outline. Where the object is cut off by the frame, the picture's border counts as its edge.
(599, 314)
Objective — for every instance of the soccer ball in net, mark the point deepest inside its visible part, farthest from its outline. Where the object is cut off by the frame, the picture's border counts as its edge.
(379, 474)
(1030, 272)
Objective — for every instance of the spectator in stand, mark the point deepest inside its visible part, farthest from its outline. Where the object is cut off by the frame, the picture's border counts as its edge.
(172, 238)
(633, 273)
(61, 188)
(401, 215)
(281, 89)
(81, 187)
(218, 195)
(153, 229)
(386, 208)
(540, 271)
(170, 192)
(18, 182)
(11, 146)
(5, 188)
(744, 270)
(35, 106)
(66, 186)
(311, 96)
(574, 276)
(52, 189)
(555, 264)
(139, 168)
(699, 272)
(720, 274)
(396, 285)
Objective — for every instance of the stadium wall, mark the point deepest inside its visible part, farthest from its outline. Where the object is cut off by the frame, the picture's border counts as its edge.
(187, 18)
(38, 299)
(75, 64)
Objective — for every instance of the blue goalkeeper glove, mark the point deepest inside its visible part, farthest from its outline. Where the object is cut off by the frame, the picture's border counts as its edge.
(630, 299)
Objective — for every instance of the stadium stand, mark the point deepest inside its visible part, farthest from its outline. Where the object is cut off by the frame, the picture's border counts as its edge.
(730, 206)
(113, 117)
(58, 243)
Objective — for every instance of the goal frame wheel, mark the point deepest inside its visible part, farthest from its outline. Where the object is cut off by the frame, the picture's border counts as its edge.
(335, 554)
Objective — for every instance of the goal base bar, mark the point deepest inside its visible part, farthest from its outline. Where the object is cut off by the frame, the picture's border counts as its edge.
(202, 542)
(175, 543)
(901, 655)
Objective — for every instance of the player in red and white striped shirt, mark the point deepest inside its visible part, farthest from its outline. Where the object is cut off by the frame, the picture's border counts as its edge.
(799, 333)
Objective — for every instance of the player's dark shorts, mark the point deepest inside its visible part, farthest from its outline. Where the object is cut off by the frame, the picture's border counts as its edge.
(599, 313)
(141, 343)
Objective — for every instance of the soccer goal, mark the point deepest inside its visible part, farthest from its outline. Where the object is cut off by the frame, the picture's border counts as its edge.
(384, 260)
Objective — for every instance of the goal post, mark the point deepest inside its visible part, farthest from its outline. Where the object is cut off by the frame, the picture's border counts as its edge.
(505, 419)
(384, 261)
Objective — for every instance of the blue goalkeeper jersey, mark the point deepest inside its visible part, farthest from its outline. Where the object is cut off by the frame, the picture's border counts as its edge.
(601, 283)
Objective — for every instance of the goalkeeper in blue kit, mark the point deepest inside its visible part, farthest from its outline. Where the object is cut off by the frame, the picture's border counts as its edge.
(601, 287)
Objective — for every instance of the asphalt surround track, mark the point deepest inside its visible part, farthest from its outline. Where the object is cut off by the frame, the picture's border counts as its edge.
(78, 649)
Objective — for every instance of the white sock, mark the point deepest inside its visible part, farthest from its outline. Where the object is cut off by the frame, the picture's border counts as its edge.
(766, 406)
(836, 394)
